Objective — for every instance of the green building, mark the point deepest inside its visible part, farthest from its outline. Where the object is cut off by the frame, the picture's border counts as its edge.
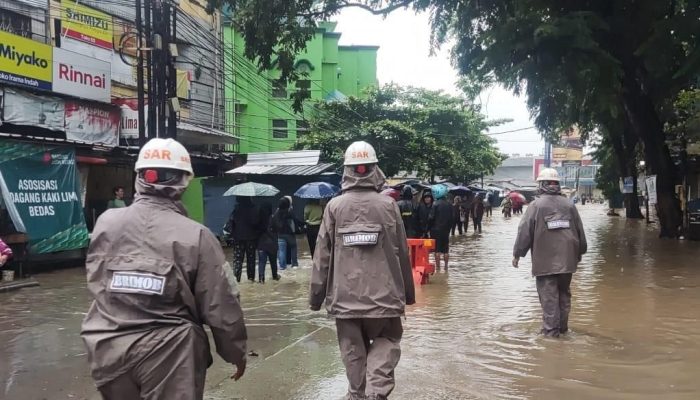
(259, 111)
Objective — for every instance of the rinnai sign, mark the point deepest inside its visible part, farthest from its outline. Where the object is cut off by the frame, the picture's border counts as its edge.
(86, 24)
(25, 62)
(80, 76)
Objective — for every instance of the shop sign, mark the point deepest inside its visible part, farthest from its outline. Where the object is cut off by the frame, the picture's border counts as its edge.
(129, 126)
(86, 24)
(41, 191)
(22, 108)
(81, 76)
(25, 62)
(95, 124)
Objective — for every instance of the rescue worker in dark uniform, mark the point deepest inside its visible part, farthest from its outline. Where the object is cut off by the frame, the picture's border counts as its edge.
(363, 273)
(551, 230)
(408, 212)
(424, 215)
(156, 277)
(443, 221)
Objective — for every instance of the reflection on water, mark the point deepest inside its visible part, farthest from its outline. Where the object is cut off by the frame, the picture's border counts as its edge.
(635, 325)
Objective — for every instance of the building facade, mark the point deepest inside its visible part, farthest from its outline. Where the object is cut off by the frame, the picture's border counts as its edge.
(259, 111)
(69, 125)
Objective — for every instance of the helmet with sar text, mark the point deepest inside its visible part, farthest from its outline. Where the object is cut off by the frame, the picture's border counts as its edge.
(160, 159)
(548, 174)
(360, 153)
(439, 191)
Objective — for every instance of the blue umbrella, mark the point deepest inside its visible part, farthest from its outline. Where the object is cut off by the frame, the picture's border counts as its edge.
(317, 190)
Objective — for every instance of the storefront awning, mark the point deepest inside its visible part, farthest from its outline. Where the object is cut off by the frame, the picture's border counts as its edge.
(196, 135)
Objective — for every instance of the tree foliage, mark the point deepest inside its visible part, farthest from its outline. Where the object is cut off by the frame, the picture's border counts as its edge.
(593, 63)
(412, 129)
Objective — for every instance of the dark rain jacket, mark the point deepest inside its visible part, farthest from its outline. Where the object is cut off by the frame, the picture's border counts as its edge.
(153, 274)
(443, 219)
(361, 266)
(245, 220)
(424, 216)
(408, 211)
(551, 230)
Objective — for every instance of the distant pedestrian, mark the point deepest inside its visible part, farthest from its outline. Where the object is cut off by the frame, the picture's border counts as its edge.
(458, 216)
(424, 215)
(313, 214)
(488, 207)
(408, 212)
(362, 272)
(552, 232)
(507, 207)
(442, 223)
(286, 225)
(118, 199)
(477, 211)
(245, 225)
(267, 244)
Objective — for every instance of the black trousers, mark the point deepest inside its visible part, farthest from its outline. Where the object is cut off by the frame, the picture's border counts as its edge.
(311, 236)
(244, 249)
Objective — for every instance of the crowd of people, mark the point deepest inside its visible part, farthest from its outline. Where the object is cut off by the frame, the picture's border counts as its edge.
(257, 232)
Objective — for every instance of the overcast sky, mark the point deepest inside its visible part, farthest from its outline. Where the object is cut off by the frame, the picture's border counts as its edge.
(404, 58)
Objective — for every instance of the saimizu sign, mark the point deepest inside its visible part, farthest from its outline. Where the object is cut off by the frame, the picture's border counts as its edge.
(81, 76)
(25, 62)
(86, 24)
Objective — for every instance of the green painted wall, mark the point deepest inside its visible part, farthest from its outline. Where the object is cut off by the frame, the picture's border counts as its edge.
(251, 108)
(192, 200)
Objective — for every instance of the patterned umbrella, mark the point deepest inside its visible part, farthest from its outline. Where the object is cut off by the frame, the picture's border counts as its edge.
(317, 190)
(252, 189)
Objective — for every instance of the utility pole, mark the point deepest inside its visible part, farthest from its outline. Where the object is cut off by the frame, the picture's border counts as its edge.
(173, 105)
(139, 75)
(149, 78)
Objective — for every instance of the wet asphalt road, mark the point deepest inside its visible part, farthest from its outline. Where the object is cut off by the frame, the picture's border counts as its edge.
(472, 335)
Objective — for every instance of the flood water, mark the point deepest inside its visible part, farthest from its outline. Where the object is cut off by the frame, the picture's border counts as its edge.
(473, 334)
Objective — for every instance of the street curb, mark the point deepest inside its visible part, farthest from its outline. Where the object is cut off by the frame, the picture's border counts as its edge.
(16, 285)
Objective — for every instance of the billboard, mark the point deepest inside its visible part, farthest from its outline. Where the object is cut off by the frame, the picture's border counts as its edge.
(42, 193)
(92, 123)
(25, 62)
(129, 126)
(86, 24)
(569, 148)
(81, 76)
(22, 108)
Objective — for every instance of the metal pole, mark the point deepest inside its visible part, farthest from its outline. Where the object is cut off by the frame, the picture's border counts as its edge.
(172, 71)
(139, 77)
(149, 78)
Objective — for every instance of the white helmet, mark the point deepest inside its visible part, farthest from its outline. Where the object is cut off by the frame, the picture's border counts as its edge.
(548, 174)
(164, 153)
(360, 153)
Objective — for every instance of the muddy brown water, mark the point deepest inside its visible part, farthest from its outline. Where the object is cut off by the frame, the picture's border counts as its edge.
(473, 334)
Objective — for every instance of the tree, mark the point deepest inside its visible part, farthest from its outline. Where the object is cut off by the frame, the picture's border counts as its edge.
(412, 129)
(583, 62)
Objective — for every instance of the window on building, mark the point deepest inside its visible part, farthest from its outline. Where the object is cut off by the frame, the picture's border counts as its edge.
(279, 90)
(15, 23)
(303, 127)
(279, 129)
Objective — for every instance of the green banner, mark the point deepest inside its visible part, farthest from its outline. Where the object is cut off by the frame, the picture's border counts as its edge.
(41, 191)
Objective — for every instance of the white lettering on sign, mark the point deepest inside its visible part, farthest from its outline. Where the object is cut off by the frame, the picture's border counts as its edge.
(137, 282)
(360, 239)
(558, 224)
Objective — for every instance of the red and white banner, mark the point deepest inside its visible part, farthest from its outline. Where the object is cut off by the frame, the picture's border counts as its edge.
(90, 123)
(129, 126)
(81, 76)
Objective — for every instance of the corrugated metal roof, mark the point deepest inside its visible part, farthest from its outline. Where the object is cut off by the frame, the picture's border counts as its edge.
(297, 170)
(285, 158)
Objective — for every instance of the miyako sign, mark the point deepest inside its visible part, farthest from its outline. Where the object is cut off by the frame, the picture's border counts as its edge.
(25, 62)
(86, 24)
(81, 76)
